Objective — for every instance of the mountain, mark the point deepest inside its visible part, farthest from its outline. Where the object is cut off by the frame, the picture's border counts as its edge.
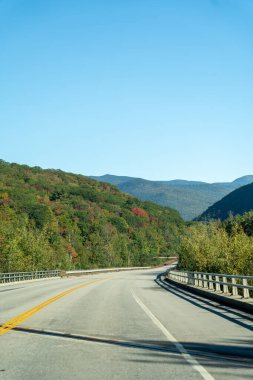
(113, 179)
(190, 198)
(53, 219)
(242, 181)
(236, 203)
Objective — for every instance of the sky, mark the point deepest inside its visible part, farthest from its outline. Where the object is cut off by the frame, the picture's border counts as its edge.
(159, 89)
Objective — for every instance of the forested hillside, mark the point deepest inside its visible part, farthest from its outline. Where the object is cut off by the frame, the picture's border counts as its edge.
(190, 198)
(52, 219)
(236, 203)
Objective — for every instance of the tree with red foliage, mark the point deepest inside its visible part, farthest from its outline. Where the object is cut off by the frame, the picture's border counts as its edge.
(139, 212)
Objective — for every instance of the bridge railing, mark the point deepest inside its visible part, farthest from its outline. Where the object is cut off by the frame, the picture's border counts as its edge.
(24, 276)
(100, 270)
(240, 286)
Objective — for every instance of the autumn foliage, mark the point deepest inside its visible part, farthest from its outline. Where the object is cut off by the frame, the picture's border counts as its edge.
(139, 212)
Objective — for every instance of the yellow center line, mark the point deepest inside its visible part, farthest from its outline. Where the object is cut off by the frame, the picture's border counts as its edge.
(27, 314)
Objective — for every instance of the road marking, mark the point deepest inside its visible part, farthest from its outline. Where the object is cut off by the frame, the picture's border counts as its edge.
(193, 362)
(27, 314)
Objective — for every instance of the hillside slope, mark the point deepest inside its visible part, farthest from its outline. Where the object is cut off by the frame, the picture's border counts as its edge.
(237, 203)
(52, 219)
(190, 198)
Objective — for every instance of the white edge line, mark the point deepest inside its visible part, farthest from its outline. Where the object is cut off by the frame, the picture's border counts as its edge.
(193, 362)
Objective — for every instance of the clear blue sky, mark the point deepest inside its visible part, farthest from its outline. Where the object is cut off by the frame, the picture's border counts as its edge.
(158, 89)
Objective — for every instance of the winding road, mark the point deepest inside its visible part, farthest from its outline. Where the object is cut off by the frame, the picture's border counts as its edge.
(124, 325)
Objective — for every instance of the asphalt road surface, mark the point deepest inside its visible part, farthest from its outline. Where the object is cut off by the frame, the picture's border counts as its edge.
(121, 325)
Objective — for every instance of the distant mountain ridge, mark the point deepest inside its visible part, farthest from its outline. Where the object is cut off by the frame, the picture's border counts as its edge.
(237, 202)
(190, 198)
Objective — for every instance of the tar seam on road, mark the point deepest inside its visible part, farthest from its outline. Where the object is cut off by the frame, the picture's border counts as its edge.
(27, 314)
(193, 362)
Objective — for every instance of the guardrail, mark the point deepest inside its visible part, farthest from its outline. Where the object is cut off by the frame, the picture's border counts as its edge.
(101, 270)
(237, 286)
(24, 276)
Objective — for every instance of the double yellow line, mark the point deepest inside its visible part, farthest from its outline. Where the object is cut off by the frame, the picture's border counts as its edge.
(27, 314)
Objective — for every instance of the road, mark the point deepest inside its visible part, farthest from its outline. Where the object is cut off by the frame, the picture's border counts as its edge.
(120, 325)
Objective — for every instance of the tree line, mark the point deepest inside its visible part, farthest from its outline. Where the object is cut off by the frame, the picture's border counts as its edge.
(218, 247)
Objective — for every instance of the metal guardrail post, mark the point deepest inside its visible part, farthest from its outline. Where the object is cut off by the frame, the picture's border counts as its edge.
(225, 287)
(205, 284)
(234, 288)
(200, 282)
(217, 285)
(210, 283)
(245, 290)
(190, 279)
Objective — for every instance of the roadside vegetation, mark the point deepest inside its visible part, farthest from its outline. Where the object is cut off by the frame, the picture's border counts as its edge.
(220, 247)
(51, 219)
